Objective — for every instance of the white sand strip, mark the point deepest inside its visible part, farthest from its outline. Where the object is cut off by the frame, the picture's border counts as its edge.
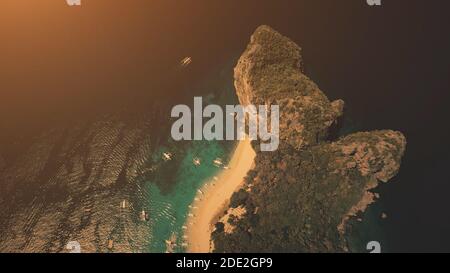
(211, 205)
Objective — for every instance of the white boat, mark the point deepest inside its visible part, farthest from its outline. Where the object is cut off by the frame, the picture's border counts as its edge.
(218, 162)
(197, 161)
(167, 156)
(186, 61)
(171, 243)
(144, 216)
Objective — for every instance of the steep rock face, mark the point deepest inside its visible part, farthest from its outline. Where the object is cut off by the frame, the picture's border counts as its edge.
(299, 198)
(69, 186)
(270, 72)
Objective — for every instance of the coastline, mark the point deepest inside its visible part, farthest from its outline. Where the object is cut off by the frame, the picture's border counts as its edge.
(213, 198)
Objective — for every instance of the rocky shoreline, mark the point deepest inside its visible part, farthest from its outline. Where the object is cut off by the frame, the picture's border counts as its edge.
(300, 197)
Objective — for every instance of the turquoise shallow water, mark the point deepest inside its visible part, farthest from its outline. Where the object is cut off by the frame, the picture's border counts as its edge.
(172, 187)
(168, 210)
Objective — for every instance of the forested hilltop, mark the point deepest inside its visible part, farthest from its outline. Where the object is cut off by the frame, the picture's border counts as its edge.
(300, 197)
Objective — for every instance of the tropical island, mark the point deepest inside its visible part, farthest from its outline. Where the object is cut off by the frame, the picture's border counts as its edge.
(300, 197)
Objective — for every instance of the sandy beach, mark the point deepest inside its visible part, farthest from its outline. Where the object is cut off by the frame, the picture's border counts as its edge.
(212, 199)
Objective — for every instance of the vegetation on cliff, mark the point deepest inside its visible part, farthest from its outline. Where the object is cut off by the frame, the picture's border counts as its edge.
(300, 197)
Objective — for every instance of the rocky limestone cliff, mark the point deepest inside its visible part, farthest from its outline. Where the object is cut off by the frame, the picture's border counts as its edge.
(300, 197)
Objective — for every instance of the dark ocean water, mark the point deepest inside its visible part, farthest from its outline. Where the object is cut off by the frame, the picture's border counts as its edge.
(389, 64)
